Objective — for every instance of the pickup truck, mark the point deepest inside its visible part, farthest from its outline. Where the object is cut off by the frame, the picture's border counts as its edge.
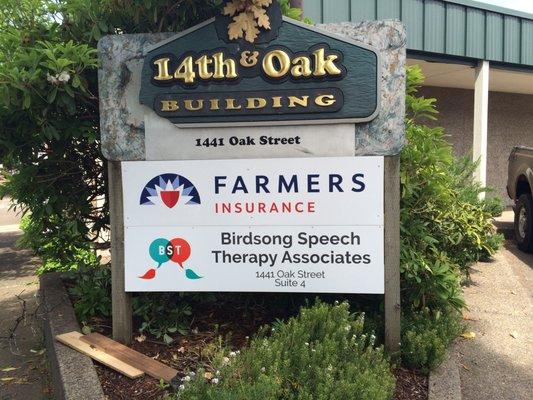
(520, 189)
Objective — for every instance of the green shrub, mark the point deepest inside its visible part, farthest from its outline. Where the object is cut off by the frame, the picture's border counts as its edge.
(426, 336)
(162, 314)
(57, 249)
(91, 292)
(323, 353)
(159, 314)
(444, 226)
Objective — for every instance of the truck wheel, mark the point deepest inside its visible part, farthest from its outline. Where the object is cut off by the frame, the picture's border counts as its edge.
(523, 223)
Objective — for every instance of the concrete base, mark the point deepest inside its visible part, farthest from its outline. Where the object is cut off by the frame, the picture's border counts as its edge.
(73, 374)
(445, 381)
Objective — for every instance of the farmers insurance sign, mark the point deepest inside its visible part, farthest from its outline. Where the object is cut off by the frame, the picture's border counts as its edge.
(293, 225)
(289, 73)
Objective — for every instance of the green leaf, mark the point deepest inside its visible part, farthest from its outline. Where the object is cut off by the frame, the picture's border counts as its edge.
(76, 81)
(27, 100)
(167, 339)
(52, 95)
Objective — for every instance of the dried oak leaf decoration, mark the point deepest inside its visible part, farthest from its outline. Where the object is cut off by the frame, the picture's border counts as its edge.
(248, 17)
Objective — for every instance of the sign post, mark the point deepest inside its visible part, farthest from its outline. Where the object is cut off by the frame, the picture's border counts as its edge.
(255, 162)
(392, 253)
(121, 300)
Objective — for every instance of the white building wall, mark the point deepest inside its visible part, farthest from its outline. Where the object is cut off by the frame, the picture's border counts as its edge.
(510, 124)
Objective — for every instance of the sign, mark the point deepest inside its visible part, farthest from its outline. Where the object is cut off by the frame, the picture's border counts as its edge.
(288, 225)
(286, 72)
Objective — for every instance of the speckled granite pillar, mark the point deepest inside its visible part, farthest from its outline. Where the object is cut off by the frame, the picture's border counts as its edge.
(384, 135)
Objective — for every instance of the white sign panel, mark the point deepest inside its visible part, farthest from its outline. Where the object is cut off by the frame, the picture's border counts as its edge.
(294, 191)
(271, 225)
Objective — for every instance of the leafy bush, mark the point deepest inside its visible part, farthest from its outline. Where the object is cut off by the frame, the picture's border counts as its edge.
(160, 314)
(426, 336)
(91, 291)
(444, 226)
(323, 353)
(444, 229)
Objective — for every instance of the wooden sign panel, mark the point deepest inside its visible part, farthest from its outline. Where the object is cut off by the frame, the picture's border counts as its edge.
(296, 74)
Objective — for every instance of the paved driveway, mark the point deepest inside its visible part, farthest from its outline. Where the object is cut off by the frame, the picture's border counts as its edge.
(498, 363)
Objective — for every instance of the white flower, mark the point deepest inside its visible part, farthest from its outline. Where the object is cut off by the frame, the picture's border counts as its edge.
(347, 328)
(187, 378)
(182, 387)
(51, 78)
(64, 76)
(238, 352)
(263, 369)
(307, 344)
(217, 372)
(232, 354)
(214, 381)
(192, 374)
(225, 360)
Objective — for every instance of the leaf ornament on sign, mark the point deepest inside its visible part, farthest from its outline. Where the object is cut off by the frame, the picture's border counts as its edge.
(248, 17)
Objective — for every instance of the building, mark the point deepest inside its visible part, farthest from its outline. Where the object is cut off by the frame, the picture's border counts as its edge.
(478, 63)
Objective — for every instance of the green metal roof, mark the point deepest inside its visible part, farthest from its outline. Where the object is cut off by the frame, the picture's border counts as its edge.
(455, 28)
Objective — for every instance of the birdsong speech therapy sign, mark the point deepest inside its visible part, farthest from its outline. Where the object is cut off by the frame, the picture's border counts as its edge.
(277, 213)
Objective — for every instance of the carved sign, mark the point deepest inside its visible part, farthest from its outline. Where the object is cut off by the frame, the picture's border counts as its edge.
(292, 74)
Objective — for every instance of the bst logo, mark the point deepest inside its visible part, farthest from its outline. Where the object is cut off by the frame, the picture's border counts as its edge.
(169, 190)
(176, 250)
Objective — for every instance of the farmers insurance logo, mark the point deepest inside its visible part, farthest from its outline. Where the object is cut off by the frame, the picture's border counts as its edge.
(169, 190)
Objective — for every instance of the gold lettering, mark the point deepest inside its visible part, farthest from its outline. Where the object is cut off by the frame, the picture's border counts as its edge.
(301, 101)
(185, 71)
(256, 102)
(230, 105)
(162, 69)
(276, 102)
(325, 100)
(189, 105)
(169, 105)
(283, 60)
(325, 66)
(302, 67)
(249, 58)
(228, 64)
(214, 104)
(203, 67)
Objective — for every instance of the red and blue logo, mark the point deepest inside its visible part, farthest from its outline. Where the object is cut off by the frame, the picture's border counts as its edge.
(176, 250)
(169, 190)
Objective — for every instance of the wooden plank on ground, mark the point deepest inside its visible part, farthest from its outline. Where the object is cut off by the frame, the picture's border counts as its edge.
(152, 367)
(73, 339)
